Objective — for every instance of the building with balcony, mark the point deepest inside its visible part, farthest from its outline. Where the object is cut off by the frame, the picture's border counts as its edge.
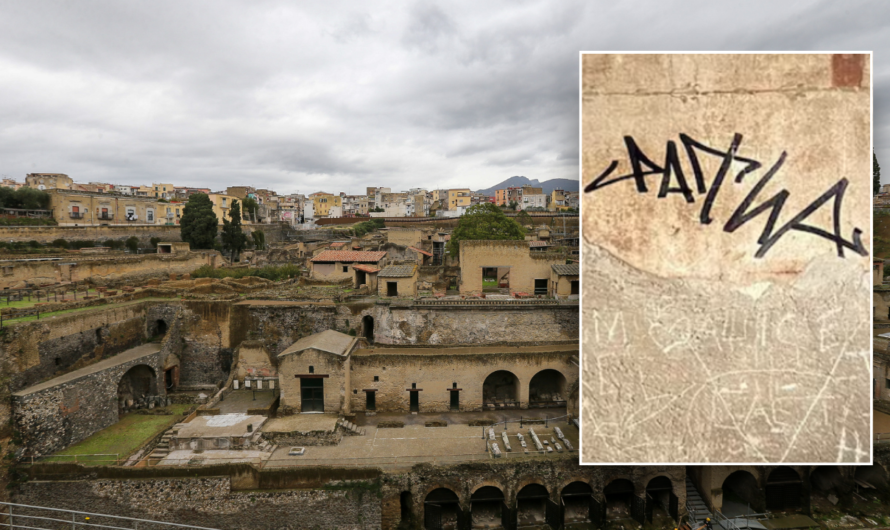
(83, 208)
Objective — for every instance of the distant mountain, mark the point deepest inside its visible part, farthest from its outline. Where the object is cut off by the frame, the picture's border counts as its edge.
(547, 185)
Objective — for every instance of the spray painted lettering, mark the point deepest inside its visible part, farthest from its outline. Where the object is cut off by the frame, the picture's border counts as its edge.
(673, 180)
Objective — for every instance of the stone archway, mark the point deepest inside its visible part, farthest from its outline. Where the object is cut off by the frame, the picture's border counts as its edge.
(784, 488)
(531, 505)
(137, 384)
(441, 510)
(487, 508)
(500, 390)
(619, 496)
(741, 494)
(547, 389)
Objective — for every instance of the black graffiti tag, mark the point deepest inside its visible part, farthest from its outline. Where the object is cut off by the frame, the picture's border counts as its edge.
(673, 181)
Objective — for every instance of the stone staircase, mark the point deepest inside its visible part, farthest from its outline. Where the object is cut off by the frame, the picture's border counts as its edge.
(351, 428)
(163, 448)
(698, 510)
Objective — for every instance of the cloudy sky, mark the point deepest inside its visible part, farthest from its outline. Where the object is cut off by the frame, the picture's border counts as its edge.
(300, 96)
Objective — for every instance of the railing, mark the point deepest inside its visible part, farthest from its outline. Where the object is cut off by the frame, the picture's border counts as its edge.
(106, 217)
(29, 516)
(76, 215)
(84, 458)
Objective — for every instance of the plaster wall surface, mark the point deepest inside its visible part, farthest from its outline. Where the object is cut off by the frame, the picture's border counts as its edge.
(525, 267)
(732, 308)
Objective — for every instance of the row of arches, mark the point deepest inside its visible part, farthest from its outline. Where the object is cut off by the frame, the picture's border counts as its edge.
(535, 505)
(501, 389)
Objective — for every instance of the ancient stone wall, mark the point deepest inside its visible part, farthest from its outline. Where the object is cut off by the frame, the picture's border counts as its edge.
(47, 234)
(106, 270)
(211, 502)
(51, 419)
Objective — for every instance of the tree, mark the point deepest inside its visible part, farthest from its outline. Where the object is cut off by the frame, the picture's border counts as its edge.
(523, 218)
(259, 239)
(132, 244)
(484, 221)
(233, 238)
(513, 205)
(876, 173)
(199, 223)
(249, 207)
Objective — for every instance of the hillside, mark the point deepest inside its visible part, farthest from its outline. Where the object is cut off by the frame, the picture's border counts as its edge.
(547, 185)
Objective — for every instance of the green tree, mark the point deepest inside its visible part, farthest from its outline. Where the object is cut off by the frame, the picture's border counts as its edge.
(199, 223)
(154, 242)
(233, 238)
(513, 205)
(259, 239)
(484, 221)
(249, 208)
(523, 218)
(132, 244)
(876, 173)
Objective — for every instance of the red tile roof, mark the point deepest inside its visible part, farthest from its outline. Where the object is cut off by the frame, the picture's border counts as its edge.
(366, 268)
(338, 244)
(424, 252)
(349, 255)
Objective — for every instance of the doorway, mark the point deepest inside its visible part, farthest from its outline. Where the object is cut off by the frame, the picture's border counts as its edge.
(368, 328)
(370, 401)
(415, 401)
(392, 289)
(312, 394)
(575, 289)
(541, 287)
(455, 400)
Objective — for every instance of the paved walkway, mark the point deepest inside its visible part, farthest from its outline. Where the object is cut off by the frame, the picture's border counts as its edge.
(416, 443)
(132, 354)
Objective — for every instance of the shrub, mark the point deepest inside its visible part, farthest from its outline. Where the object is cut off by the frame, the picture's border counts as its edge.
(60, 243)
(132, 244)
(82, 243)
(34, 244)
(271, 272)
(154, 241)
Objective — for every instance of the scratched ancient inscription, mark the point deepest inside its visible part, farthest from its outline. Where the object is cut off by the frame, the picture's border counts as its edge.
(689, 371)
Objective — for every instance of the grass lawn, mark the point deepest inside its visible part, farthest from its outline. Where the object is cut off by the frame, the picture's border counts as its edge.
(489, 282)
(123, 438)
(91, 308)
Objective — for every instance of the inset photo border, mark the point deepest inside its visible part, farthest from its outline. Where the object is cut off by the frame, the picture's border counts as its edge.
(726, 258)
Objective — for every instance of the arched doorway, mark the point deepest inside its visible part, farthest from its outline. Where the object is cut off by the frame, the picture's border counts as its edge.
(441, 510)
(500, 390)
(783, 489)
(405, 502)
(826, 479)
(547, 389)
(872, 475)
(741, 494)
(660, 499)
(531, 506)
(368, 328)
(135, 386)
(487, 508)
(577, 503)
(619, 496)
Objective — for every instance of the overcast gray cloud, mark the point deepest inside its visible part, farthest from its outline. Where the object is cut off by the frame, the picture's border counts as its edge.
(341, 95)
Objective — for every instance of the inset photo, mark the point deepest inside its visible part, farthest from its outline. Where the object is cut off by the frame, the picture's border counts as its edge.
(726, 269)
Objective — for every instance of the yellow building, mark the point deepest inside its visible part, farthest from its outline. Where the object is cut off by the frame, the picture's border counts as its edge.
(323, 203)
(459, 197)
(163, 191)
(557, 200)
(221, 205)
(81, 208)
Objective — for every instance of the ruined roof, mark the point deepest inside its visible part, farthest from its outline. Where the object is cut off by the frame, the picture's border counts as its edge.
(349, 255)
(566, 270)
(424, 252)
(339, 244)
(533, 244)
(366, 268)
(398, 271)
(329, 340)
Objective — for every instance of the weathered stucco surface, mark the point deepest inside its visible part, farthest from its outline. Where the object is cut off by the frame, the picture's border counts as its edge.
(726, 321)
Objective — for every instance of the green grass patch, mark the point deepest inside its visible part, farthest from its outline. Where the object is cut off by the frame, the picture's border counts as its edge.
(89, 308)
(488, 282)
(271, 272)
(123, 438)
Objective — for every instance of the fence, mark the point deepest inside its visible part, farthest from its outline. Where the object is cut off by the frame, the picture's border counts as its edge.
(26, 516)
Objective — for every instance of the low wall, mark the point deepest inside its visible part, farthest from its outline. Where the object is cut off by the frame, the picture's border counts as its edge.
(167, 233)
